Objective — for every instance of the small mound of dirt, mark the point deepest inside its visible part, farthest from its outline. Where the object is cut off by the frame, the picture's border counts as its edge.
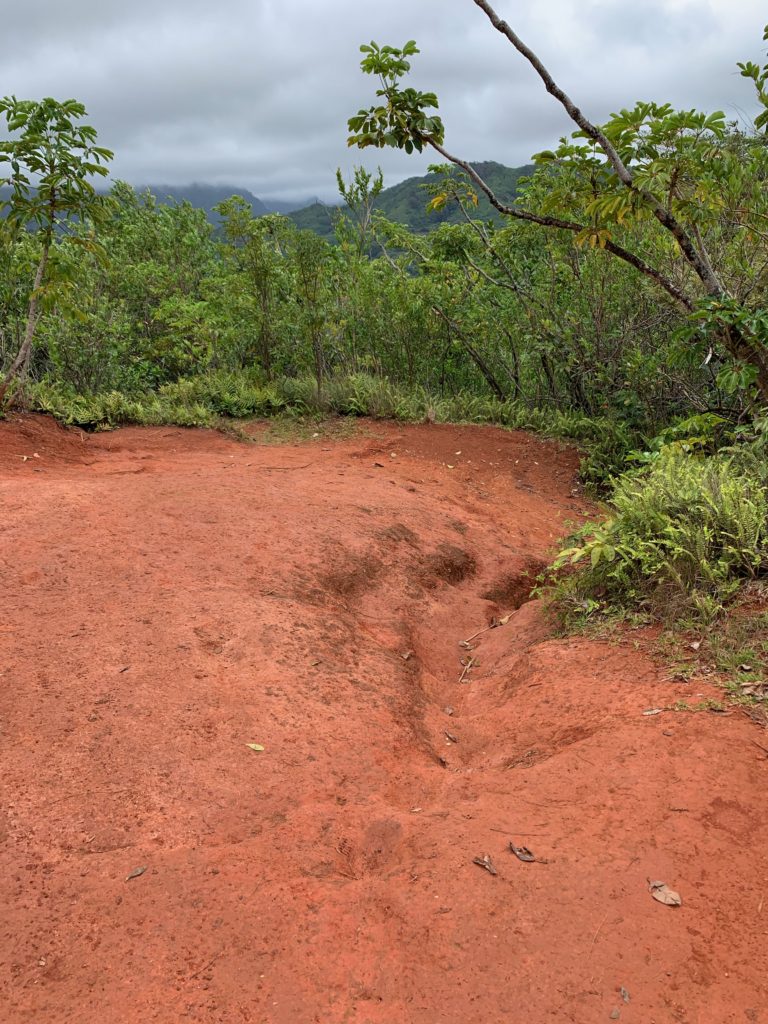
(513, 589)
(353, 577)
(448, 564)
(25, 438)
(399, 533)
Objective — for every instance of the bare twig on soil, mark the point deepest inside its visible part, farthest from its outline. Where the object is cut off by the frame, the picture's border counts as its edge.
(469, 639)
(467, 667)
(599, 929)
(493, 624)
(204, 968)
(524, 835)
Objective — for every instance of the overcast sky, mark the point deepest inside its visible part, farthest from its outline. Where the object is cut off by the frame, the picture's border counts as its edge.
(256, 93)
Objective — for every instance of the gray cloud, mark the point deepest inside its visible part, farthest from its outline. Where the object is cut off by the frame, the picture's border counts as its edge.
(256, 92)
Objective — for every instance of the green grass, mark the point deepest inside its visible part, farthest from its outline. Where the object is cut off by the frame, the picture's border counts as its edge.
(203, 401)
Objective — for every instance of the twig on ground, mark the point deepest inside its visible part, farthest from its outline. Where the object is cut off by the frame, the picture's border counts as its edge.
(467, 667)
(474, 635)
(599, 929)
(205, 967)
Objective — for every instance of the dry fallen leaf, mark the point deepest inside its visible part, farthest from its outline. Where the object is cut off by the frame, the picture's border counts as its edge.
(254, 746)
(754, 689)
(487, 863)
(624, 994)
(663, 894)
(522, 853)
(653, 711)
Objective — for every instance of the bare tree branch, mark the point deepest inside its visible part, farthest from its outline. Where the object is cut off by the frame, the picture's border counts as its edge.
(697, 259)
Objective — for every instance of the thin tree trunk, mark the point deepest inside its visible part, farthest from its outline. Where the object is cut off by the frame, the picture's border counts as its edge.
(474, 355)
(317, 350)
(20, 365)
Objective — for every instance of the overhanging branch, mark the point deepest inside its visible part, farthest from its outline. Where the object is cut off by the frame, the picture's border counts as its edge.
(698, 260)
(564, 225)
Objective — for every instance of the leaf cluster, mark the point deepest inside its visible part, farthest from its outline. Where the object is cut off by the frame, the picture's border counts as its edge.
(50, 158)
(758, 75)
(401, 117)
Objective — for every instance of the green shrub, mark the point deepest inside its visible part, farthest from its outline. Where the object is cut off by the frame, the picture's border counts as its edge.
(300, 394)
(189, 402)
(681, 536)
(225, 394)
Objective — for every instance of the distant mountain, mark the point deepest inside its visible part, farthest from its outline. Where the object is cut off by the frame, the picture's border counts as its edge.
(286, 206)
(318, 217)
(406, 203)
(204, 197)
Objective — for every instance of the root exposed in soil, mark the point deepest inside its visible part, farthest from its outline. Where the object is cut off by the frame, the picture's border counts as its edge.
(240, 780)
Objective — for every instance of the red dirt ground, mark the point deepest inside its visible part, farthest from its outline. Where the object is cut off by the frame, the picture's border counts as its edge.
(171, 596)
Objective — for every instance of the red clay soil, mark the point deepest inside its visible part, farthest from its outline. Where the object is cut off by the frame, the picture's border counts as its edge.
(171, 596)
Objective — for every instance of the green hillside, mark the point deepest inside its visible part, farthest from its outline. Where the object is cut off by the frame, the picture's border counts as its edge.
(407, 202)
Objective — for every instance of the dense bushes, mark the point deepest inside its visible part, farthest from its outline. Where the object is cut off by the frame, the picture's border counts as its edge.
(523, 318)
(681, 536)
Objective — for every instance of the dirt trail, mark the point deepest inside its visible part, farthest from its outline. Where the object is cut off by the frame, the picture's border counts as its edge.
(171, 596)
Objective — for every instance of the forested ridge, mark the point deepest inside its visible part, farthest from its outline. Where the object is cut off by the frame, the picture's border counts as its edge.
(404, 203)
(407, 203)
(614, 294)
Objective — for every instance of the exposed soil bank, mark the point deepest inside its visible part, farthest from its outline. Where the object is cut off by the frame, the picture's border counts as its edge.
(171, 596)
